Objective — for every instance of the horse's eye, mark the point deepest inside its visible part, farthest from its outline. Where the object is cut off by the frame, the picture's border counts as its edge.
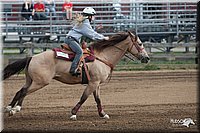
(140, 44)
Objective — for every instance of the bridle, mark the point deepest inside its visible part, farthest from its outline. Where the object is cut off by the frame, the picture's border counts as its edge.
(123, 53)
(137, 46)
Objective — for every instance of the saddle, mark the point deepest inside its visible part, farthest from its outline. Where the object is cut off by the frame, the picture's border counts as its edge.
(67, 54)
(88, 52)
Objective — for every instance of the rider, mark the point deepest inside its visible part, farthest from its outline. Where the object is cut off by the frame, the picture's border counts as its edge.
(81, 28)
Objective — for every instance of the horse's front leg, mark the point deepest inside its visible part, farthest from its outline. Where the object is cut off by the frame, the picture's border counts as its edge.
(96, 94)
(88, 90)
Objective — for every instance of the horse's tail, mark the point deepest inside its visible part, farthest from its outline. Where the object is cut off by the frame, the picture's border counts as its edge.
(15, 67)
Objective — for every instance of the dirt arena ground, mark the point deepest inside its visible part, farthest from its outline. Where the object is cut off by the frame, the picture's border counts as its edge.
(135, 101)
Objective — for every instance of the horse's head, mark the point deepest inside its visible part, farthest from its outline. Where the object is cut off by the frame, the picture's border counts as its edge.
(137, 49)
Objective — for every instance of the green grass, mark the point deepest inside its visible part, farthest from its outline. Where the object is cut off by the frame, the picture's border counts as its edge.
(155, 64)
(125, 65)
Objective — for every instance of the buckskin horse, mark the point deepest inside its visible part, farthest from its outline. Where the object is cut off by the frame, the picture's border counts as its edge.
(40, 69)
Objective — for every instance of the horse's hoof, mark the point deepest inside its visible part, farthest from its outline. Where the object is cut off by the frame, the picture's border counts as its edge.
(8, 109)
(12, 112)
(17, 108)
(106, 116)
(73, 117)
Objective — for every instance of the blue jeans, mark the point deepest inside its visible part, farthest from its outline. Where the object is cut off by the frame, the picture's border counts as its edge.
(39, 16)
(52, 10)
(78, 52)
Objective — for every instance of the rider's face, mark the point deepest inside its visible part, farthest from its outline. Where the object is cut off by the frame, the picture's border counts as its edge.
(93, 18)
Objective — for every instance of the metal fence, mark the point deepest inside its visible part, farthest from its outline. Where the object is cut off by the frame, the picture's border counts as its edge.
(158, 24)
(147, 19)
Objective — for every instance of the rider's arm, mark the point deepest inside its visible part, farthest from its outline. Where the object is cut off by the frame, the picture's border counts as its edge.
(89, 32)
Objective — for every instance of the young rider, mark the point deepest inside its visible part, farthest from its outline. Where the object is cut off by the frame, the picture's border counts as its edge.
(82, 28)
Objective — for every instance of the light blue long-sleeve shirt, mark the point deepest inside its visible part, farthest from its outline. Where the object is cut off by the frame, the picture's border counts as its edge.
(84, 29)
(50, 5)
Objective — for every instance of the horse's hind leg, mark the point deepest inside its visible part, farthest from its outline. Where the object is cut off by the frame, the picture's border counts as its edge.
(30, 87)
(19, 96)
(11, 107)
(96, 94)
(14, 101)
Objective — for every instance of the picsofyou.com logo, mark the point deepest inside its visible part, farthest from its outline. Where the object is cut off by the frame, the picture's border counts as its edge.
(187, 122)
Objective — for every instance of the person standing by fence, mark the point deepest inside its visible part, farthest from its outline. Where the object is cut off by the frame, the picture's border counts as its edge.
(67, 9)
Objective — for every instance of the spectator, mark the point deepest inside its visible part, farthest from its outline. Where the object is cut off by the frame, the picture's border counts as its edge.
(26, 10)
(50, 6)
(67, 9)
(39, 11)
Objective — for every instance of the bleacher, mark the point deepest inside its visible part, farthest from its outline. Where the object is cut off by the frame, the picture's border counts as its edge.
(151, 21)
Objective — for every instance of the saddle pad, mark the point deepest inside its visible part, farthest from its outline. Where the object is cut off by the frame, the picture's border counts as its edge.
(62, 54)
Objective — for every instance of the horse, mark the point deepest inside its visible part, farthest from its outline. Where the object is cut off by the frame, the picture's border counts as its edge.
(41, 68)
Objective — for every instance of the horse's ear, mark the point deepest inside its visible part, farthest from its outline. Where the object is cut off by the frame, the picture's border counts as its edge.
(129, 32)
(132, 35)
(136, 38)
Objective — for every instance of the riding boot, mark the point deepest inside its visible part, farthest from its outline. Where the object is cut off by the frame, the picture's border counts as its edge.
(74, 72)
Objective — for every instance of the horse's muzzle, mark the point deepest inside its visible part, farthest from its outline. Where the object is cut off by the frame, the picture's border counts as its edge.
(145, 59)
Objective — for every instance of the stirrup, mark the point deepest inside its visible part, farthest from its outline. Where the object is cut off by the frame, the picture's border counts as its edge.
(76, 73)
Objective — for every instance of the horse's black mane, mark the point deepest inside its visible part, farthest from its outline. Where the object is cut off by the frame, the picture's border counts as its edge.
(114, 39)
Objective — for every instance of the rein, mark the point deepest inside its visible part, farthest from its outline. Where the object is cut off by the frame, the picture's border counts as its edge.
(104, 61)
(124, 51)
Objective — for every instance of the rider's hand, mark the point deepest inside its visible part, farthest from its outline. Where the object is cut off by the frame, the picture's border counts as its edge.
(106, 38)
(99, 27)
